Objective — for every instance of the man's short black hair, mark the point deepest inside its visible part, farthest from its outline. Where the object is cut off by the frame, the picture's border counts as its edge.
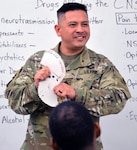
(70, 7)
(71, 126)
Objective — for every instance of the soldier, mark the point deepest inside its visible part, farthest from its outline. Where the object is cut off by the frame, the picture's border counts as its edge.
(72, 127)
(91, 79)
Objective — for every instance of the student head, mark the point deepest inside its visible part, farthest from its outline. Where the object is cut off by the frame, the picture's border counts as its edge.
(73, 26)
(72, 127)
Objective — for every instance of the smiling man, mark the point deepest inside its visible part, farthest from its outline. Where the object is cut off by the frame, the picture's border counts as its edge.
(75, 25)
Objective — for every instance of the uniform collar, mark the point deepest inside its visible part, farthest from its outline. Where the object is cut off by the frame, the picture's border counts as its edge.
(84, 58)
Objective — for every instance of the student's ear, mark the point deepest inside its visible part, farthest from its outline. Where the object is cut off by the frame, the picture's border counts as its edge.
(57, 29)
(97, 129)
(53, 144)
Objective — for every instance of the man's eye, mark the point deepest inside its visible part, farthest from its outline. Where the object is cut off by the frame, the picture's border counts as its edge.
(72, 24)
(85, 24)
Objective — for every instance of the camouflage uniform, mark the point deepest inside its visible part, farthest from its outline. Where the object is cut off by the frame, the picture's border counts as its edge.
(97, 82)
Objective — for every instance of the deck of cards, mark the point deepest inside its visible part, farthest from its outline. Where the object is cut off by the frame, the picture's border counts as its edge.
(56, 65)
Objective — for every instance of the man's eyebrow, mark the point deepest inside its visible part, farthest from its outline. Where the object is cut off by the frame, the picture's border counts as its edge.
(87, 21)
(77, 21)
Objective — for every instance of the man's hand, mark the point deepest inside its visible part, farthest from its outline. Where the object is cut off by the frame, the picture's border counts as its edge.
(64, 90)
(41, 75)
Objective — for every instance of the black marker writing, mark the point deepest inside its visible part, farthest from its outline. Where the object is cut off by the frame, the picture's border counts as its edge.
(132, 68)
(127, 4)
(132, 84)
(13, 120)
(132, 115)
(131, 55)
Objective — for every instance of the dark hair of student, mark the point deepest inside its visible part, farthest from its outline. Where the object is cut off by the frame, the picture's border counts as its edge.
(71, 126)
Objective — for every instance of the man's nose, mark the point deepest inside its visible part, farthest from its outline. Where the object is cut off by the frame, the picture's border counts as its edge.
(79, 28)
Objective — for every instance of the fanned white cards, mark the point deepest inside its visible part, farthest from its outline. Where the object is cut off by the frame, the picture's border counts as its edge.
(57, 68)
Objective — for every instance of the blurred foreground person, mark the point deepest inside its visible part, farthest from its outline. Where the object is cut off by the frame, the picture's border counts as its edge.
(72, 127)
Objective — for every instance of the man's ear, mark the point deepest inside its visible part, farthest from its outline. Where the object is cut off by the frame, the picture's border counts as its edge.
(54, 144)
(97, 129)
(57, 29)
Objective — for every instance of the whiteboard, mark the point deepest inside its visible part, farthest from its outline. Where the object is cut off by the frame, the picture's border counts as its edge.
(27, 26)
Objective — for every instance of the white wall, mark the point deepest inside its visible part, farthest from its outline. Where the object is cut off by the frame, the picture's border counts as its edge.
(113, 33)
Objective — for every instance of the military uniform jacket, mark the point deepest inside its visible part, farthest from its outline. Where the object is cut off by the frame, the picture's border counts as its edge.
(98, 84)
